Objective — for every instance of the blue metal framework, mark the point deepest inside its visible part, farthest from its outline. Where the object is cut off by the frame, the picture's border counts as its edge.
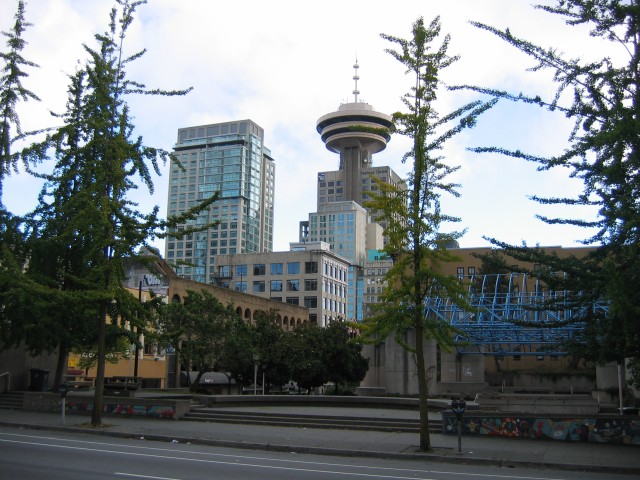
(510, 315)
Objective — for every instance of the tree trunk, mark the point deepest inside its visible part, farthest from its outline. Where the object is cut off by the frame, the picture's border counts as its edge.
(193, 388)
(423, 387)
(61, 365)
(98, 399)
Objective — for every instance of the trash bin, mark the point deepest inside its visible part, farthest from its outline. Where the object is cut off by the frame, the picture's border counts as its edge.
(39, 380)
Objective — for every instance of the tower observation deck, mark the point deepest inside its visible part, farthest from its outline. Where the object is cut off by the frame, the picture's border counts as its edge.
(356, 131)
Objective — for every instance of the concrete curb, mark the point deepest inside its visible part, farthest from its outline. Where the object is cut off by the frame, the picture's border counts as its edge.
(273, 447)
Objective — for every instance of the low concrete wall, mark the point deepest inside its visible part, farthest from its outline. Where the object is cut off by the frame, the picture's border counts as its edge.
(83, 404)
(597, 429)
(546, 404)
(323, 400)
(370, 391)
(549, 382)
(461, 388)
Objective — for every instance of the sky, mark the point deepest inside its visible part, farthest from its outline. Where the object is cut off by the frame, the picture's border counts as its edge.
(286, 63)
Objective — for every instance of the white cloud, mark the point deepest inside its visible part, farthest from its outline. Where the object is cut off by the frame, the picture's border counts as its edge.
(286, 63)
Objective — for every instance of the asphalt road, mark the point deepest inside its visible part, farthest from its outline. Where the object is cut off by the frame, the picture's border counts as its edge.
(31, 455)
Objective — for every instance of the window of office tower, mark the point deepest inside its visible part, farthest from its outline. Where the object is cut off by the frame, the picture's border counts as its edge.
(293, 268)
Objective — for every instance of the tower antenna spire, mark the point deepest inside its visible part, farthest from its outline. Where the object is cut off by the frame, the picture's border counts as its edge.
(356, 92)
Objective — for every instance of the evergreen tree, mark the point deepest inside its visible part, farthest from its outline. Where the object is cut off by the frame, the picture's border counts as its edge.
(602, 97)
(415, 218)
(239, 349)
(11, 91)
(13, 252)
(196, 330)
(271, 349)
(342, 357)
(13, 257)
(85, 226)
(308, 368)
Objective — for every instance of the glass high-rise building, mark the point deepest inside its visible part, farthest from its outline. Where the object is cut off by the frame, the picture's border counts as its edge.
(229, 158)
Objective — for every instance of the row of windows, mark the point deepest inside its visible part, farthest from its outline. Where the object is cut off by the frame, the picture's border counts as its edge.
(312, 302)
(334, 288)
(259, 286)
(470, 270)
(260, 269)
(334, 271)
(219, 129)
(293, 285)
(308, 302)
(331, 191)
(366, 180)
(214, 251)
(376, 271)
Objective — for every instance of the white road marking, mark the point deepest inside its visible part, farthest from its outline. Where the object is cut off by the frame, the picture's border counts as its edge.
(253, 458)
(133, 475)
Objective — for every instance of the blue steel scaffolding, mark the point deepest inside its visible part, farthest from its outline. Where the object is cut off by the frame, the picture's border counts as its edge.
(511, 314)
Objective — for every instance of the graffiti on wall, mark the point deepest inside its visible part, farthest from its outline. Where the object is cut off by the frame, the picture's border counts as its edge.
(156, 411)
(601, 430)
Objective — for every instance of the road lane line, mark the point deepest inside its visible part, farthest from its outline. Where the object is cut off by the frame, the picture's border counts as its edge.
(133, 475)
(247, 457)
(219, 462)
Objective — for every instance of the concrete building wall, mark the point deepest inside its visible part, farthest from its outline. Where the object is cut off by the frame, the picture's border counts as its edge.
(375, 236)
(15, 366)
(394, 369)
(248, 305)
(318, 282)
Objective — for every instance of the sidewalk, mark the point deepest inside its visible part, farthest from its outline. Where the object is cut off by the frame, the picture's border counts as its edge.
(475, 450)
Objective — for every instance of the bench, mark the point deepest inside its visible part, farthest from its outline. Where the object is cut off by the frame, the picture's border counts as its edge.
(77, 381)
(122, 386)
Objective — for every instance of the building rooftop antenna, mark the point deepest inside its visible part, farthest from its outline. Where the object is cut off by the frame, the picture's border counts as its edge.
(356, 92)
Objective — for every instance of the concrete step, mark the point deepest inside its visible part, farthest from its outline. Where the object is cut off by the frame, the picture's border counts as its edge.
(11, 400)
(310, 421)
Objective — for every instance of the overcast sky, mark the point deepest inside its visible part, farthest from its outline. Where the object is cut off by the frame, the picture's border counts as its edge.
(284, 64)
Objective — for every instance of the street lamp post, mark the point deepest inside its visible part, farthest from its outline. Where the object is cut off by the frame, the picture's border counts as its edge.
(137, 334)
(458, 407)
(256, 359)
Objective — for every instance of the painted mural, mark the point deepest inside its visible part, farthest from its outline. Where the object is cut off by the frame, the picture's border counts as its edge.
(155, 411)
(599, 430)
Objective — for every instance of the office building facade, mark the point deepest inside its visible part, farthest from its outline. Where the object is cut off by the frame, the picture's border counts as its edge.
(229, 158)
(309, 275)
